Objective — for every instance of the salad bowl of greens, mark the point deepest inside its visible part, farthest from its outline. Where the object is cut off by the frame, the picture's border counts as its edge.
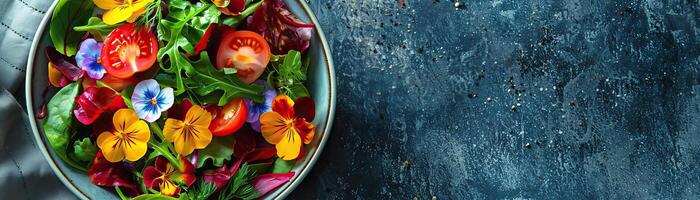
(180, 99)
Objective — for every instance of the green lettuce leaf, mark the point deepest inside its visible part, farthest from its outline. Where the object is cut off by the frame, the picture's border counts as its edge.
(66, 15)
(84, 150)
(219, 151)
(59, 120)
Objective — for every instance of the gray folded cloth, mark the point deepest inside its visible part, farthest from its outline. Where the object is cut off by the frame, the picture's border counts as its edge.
(24, 173)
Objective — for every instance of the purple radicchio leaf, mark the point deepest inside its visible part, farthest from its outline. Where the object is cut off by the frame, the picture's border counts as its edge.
(280, 27)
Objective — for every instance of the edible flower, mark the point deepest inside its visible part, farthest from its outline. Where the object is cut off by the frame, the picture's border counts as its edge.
(189, 133)
(149, 100)
(257, 109)
(128, 140)
(287, 125)
(110, 174)
(121, 10)
(165, 177)
(88, 58)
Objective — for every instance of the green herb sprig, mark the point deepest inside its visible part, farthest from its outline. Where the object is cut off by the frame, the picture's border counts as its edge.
(240, 186)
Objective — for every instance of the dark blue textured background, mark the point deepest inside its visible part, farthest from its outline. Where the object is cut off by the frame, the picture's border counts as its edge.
(546, 99)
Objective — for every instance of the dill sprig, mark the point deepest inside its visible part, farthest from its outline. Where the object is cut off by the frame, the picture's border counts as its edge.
(152, 14)
(240, 186)
(203, 191)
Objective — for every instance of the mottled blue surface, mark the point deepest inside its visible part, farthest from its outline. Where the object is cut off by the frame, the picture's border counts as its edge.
(544, 99)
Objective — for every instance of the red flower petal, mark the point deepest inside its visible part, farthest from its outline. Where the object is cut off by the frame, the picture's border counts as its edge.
(265, 183)
(108, 174)
(284, 106)
(94, 101)
(186, 175)
(150, 177)
(282, 30)
(305, 108)
(178, 111)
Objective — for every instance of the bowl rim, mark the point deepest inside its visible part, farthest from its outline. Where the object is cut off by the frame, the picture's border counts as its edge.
(285, 190)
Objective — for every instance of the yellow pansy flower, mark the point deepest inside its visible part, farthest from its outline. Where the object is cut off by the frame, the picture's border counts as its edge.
(121, 10)
(190, 133)
(128, 140)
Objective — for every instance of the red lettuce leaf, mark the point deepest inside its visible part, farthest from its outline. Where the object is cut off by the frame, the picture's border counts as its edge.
(244, 142)
(108, 174)
(94, 101)
(264, 183)
(64, 64)
(280, 27)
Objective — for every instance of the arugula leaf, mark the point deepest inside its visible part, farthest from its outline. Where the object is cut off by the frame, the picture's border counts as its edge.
(208, 80)
(218, 151)
(240, 186)
(97, 28)
(84, 150)
(172, 30)
(59, 120)
(66, 15)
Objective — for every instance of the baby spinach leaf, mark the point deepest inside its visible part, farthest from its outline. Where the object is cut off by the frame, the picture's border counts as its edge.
(58, 122)
(218, 151)
(283, 166)
(66, 15)
(84, 150)
(97, 28)
(209, 80)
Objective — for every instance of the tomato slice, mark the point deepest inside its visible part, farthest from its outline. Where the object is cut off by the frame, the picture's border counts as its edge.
(229, 119)
(246, 51)
(127, 50)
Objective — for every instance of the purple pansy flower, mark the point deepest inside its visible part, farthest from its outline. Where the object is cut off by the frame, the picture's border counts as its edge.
(149, 100)
(87, 58)
(257, 109)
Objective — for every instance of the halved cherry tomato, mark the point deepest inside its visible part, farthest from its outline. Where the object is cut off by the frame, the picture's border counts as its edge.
(246, 51)
(229, 119)
(128, 50)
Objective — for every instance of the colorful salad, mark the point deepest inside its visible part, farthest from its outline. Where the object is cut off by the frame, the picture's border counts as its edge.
(187, 99)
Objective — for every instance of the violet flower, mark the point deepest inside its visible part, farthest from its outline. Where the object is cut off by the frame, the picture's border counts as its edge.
(87, 58)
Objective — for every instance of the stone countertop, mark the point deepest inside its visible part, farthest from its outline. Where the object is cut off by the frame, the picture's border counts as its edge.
(560, 99)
